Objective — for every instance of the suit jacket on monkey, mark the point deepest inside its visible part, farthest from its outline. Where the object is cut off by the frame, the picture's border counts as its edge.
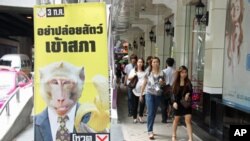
(42, 125)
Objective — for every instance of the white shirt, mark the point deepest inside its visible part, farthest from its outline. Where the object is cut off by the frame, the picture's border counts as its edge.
(54, 125)
(141, 76)
(127, 70)
(169, 74)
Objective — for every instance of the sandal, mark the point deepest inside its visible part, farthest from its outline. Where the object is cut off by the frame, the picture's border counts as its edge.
(151, 136)
(174, 138)
(135, 121)
(141, 120)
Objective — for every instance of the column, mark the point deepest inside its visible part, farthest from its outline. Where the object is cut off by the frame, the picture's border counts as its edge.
(146, 28)
(183, 33)
(133, 34)
(148, 43)
(179, 33)
(157, 49)
(162, 50)
(214, 50)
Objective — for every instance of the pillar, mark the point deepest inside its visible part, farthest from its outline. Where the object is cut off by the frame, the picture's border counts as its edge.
(214, 47)
(183, 33)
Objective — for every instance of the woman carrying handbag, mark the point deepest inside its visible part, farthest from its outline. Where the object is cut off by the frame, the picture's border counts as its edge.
(138, 72)
(182, 93)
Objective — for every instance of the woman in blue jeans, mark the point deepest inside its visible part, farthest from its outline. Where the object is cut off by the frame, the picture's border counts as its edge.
(151, 85)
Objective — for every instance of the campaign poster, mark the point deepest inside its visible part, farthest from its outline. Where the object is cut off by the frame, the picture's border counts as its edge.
(236, 84)
(71, 100)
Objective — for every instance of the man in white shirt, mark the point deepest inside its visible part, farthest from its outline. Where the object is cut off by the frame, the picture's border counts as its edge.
(169, 73)
(128, 68)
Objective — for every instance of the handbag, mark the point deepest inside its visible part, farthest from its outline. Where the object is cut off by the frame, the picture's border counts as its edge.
(185, 103)
(133, 82)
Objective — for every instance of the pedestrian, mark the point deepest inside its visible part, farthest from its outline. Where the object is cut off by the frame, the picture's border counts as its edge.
(151, 85)
(128, 68)
(118, 73)
(123, 65)
(148, 62)
(182, 92)
(166, 97)
(137, 97)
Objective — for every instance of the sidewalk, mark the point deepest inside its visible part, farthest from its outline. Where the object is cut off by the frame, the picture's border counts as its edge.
(138, 131)
(27, 134)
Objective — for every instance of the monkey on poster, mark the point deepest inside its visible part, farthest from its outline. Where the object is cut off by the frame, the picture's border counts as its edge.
(61, 86)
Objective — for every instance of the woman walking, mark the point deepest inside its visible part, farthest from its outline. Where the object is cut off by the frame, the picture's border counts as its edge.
(151, 85)
(148, 61)
(182, 91)
(140, 73)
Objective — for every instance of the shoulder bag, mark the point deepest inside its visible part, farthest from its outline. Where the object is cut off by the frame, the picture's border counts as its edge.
(187, 103)
(133, 82)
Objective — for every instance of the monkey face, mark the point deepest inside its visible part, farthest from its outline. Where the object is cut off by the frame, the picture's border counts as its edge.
(62, 94)
(61, 85)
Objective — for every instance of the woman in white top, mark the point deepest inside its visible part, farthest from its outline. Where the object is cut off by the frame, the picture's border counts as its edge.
(140, 73)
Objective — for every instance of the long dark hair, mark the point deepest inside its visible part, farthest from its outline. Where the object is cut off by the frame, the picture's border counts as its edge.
(230, 28)
(136, 67)
(177, 82)
(150, 69)
(149, 58)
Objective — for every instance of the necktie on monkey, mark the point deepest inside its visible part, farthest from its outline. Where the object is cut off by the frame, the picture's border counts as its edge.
(62, 133)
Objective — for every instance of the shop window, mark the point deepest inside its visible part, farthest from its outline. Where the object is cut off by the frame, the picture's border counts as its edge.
(197, 71)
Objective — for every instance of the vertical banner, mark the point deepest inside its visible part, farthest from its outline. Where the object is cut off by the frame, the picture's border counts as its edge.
(71, 99)
(236, 85)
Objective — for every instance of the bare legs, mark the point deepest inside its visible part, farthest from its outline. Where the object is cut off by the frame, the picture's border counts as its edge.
(175, 124)
(188, 124)
(189, 127)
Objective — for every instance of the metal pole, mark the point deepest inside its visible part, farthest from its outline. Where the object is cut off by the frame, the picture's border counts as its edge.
(8, 109)
(18, 95)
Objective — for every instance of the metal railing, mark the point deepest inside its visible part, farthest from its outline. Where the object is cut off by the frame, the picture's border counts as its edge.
(6, 105)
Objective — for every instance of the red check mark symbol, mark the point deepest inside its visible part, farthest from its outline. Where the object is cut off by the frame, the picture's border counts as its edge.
(102, 139)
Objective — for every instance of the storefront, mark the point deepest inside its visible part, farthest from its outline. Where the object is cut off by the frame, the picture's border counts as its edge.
(194, 53)
(214, 112)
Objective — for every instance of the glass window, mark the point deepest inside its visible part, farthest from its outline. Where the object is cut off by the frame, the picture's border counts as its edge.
(23, 63)
(22, 78)
(7, 78)
(198, 68)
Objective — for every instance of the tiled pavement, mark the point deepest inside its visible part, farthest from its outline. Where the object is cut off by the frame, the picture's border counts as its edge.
(126, 130)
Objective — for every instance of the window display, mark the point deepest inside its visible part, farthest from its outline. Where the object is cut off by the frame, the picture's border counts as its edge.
(198, 67)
